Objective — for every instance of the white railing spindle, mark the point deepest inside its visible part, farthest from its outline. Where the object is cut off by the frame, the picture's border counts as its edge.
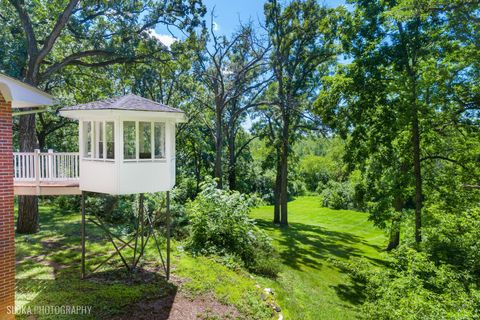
(43, 167)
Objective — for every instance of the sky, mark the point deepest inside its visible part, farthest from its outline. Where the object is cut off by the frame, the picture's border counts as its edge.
(227, 17)
(228, 14)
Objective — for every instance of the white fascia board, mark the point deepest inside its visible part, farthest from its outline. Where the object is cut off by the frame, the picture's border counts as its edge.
(23, 95)
(124, 115)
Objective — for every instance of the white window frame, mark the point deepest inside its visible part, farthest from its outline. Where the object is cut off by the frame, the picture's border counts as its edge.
(85, 140)
(164, 140)
(105, 142)
(95, 140)
(152, 142)
(123, 141)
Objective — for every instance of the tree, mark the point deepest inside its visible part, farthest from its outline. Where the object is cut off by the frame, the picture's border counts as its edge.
(247, 62)
(395, 101)
(229, 70)
(91, 34)
(302, 36)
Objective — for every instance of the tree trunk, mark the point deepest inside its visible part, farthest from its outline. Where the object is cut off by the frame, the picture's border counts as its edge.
(417, 172)
(232, 174)
(276, 193)
(218, 146)
(41, 141)
(394, 236)
(27, 221)
(395, 227)
(418, 177)
(198, 177)
(284, 174)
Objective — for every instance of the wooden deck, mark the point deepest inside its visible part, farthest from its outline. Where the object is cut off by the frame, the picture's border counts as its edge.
(46, 174)
(48, 188)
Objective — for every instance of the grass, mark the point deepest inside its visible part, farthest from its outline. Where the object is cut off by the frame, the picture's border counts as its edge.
(48, 274)
(229, 287)
(309, 286)
(48, 271)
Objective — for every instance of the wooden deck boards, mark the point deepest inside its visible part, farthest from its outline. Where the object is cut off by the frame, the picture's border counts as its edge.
(47, 188)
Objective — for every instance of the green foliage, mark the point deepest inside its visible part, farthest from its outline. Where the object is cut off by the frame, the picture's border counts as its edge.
(320, 161)
(454, 239)
(338, 195)
(219, 225)
(407, 104)
(414, 287)
(47, 273)
(316, 170)
(65, 203)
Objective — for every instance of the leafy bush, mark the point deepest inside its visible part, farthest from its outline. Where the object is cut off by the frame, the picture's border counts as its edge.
(317, 170)
(67, 203)
(116, 210)
(121, 211)
(454, 238)
(338, 195)
(155, 206)
(219, 225)
(413, 287)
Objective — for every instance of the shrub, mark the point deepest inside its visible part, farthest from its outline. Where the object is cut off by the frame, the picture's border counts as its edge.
(317, 170)
(66, 203)
(219, 225)
(454, 238)
(155, 205)
(338, 195)
(413, 287)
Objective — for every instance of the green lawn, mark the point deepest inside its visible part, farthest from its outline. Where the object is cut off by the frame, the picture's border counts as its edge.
(48, 274)
(309, 286)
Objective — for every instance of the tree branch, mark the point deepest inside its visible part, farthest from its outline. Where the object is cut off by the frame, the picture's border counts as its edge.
(443, 158)
(57, 29)
(71, 58)
(27, 27)
(239, 151)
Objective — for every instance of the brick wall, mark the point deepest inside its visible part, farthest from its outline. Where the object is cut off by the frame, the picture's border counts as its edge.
(7, 236)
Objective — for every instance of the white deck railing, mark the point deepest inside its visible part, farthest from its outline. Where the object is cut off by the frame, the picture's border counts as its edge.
(46, 166)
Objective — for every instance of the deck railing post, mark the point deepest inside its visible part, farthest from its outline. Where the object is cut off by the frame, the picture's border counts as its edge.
(36, 170)
(50, 164)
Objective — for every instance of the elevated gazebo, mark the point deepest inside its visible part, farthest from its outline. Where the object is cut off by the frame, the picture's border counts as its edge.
(127, 145)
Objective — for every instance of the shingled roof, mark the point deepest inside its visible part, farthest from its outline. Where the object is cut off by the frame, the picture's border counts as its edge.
(129, 102)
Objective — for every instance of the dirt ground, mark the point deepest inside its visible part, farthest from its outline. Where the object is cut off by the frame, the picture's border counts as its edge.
(180, 307)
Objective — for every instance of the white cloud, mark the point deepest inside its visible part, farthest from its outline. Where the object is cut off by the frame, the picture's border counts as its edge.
(216, 26)
(166, 39)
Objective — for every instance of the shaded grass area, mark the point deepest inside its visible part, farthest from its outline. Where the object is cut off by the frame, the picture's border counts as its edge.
(228, 286)
(48, 274)
(309, 286)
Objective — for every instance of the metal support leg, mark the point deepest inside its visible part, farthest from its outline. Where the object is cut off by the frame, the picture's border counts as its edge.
(168, 235)
(142, 226)
(83, 233)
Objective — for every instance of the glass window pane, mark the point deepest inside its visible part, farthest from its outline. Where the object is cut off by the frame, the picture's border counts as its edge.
(99, 126)
(129, 140)
(110, 139)
(87, 139)
(145, 143)
(159, 140)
